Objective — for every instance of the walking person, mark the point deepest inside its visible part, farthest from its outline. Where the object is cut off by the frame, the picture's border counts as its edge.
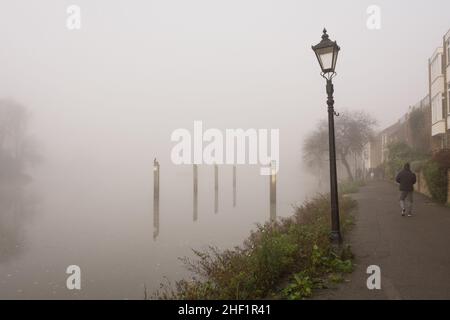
(406, 178)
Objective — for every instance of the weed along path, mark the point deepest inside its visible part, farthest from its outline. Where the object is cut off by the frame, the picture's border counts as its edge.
(412, 253)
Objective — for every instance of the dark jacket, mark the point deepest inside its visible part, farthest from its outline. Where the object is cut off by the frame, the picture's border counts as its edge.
(406, 179)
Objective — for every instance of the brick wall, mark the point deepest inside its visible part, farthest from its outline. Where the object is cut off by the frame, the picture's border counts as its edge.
(421, 184)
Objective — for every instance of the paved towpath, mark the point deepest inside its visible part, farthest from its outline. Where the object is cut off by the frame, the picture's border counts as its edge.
(412, 252)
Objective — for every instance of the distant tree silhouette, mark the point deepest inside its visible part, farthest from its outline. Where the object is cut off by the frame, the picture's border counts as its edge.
(17, 149)
(17, 152)
(353, 129)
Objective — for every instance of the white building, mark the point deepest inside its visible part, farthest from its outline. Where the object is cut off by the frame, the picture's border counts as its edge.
(439, 89)
(436, 87)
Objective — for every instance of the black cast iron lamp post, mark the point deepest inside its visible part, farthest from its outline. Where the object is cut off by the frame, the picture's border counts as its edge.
(326, 52)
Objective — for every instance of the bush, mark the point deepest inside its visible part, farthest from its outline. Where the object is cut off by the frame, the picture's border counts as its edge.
(350, 186)
(398, 154)
(442, 157)
(420, 134)
(301, 287)
(272, 258)
(435, 173)
(418, 165)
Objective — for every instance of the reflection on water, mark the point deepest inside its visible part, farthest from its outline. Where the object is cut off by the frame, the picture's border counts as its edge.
(155, 199)
(16, 207)
(105, 228)
(273, 192)
(156, 187)
(156, 184)
(96, 211)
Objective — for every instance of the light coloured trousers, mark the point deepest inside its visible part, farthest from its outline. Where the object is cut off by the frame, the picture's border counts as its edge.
(406, 201)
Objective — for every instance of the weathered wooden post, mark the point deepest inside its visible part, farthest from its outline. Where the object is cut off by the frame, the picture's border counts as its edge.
(216, 188)
(155, 198)
(195, 200)
(234, 185)
(273, 191)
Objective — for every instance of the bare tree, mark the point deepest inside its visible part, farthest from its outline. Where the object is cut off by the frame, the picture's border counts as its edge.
(16, 147)
(315, 154)
(352, 129)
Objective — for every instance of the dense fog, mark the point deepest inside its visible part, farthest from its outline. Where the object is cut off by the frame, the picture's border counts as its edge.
(84, 113)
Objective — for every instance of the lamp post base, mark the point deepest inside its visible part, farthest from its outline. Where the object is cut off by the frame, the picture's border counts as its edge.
(335, 238)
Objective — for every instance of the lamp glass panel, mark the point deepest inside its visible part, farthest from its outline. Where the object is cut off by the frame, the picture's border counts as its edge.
(336, 51)
(326, 58)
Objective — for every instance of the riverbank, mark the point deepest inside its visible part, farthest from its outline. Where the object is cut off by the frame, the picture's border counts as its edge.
(287, 259)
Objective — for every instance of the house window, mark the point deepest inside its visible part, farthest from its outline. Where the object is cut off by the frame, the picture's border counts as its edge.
(436, 67)
(448, 96)
(444, 107)
(448, 52)
(436, 108)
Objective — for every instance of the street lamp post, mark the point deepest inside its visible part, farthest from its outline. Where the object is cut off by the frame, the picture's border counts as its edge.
(326, 52)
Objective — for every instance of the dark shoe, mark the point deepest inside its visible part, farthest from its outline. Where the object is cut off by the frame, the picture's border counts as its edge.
(403, 212)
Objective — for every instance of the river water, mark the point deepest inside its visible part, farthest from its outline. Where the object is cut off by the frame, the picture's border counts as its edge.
(90, 203)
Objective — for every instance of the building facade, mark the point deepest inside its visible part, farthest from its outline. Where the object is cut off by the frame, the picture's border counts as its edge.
(426, 125)
(439, 87)
(413, 129)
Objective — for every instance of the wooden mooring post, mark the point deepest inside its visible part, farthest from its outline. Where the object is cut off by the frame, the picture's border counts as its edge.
(273, 191)
(195, 192)
(155, 198)
(234, 185)
(216, 188)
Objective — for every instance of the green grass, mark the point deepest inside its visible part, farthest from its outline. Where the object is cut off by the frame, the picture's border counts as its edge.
(349, 187)
(285, 259)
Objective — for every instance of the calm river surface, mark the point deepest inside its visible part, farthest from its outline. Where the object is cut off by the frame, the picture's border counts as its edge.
(90, 203)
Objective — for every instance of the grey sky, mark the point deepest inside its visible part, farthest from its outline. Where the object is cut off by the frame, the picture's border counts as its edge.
(105, 99)
(162, 64)
(251, 57)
